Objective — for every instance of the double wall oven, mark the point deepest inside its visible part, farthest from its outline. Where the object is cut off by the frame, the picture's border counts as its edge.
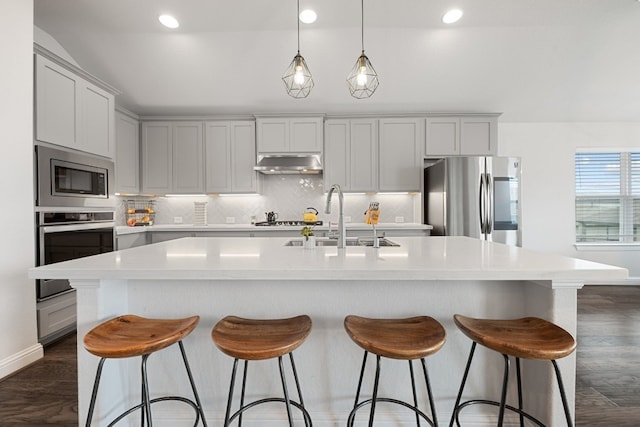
(75, 217)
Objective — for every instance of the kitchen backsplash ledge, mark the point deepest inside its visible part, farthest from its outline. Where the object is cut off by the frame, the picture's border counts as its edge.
(287, 195)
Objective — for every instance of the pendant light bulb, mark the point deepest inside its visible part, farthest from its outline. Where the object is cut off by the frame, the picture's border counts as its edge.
(297, 78)
(362, 80)
(298, 75)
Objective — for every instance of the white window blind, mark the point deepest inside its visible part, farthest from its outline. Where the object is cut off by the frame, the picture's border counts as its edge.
(607, 197)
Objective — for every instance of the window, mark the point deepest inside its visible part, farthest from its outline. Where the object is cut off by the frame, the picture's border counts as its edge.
(607, 197)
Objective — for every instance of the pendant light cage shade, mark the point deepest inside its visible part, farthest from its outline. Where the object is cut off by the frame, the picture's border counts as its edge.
(297, 78)
(362, 80)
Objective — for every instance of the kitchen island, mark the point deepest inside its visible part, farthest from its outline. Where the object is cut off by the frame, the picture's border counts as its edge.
(264, 278)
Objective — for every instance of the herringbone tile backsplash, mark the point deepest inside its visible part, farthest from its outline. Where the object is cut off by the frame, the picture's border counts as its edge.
(288, 196)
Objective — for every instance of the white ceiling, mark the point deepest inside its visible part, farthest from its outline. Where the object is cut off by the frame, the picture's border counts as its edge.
(532, 60)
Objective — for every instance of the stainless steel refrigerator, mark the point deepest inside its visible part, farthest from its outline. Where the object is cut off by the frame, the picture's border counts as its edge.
(474, 196)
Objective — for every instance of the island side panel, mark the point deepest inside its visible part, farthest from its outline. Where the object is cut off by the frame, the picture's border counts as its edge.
(328, 362)
(98, 301)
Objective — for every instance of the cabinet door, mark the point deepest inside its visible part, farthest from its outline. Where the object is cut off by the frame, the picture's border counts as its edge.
(218, 157)
(400, 153)
(478, 136)
(156, 157)
(273, 135)
(127, 154)
(243, 157)
(337, 153)
(363, 155)
(188, 162)
(443, 136)
(97, 114)
(57, 104)
(306, 135)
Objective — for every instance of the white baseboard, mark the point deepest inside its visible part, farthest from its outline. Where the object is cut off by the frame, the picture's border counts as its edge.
(19, 360)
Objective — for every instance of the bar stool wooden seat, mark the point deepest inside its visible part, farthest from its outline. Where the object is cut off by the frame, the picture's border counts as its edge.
(525, 338)
(261, 339)
(402, 339)
(133, 336)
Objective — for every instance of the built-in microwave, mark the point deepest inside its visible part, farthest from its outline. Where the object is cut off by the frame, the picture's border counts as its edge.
(70, 179)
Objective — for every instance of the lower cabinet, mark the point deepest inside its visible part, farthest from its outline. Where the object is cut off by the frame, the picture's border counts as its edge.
(56, 317)
(126, 241)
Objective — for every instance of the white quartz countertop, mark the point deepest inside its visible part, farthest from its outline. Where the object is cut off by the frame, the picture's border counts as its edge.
(417, 258)
(123, 229)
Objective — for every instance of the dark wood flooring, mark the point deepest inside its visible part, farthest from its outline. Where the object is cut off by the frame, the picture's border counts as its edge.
(608, 369)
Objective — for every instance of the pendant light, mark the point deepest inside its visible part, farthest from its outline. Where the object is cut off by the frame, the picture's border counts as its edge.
(362, 79)
(297, 77)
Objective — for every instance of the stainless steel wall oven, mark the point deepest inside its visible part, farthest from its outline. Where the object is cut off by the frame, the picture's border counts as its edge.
(63, 236)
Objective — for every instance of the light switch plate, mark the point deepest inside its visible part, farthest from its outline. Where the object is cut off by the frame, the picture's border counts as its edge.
(399, 219)
(177, 220)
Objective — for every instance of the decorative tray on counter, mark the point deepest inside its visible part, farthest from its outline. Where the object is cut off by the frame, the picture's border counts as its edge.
(140, 212)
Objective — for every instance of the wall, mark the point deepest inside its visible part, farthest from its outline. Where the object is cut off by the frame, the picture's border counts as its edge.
(548, 192)
(289, 196)
(18, 343)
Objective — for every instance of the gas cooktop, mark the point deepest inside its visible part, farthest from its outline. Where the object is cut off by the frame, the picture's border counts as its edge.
(283, 223)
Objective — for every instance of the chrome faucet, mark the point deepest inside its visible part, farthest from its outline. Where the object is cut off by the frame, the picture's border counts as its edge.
(342, 230)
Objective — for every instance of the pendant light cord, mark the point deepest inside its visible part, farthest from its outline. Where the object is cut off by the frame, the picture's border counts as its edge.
(298, 21)
(361, 24)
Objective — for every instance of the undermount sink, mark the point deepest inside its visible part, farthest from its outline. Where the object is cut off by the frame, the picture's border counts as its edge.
(349, 242)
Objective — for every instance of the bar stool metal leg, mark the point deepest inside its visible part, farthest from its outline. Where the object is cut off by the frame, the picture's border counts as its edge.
(503, 397)
(563, 394)
(413, 391)
(287, 403)
(199, 411)
(429, 393)
(456, 407)
(519, 378)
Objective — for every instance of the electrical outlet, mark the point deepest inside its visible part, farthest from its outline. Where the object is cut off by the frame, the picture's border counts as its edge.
(177, 220)
(347, 218)
(231, 220)
(399, 219)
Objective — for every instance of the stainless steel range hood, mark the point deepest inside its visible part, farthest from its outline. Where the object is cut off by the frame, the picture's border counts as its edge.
(289, 164)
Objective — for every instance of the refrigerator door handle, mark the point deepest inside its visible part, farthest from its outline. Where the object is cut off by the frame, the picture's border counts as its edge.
(489, 204)
(481, 204)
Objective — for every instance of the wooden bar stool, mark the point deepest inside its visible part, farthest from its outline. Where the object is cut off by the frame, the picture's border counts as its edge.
(132, 336)
(253, 339)
(526, 338)
(403, 339)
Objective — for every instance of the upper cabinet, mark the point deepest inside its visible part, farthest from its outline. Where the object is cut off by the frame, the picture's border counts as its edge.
(351, 154)
(172, 158)
(72, 111)
(230, 154)
(374, 154)
(400, 153)
(475, 135)
(127, 161)
(289, 135)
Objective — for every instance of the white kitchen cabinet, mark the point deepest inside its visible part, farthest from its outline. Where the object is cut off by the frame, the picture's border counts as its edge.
(172, 158)
(56, 316)
(462, 135)
(72, 111)
(230, 154)
(400, 153)
(127, 164)
(289, 135)
(188, 162)
(351, 154)
(133, 240)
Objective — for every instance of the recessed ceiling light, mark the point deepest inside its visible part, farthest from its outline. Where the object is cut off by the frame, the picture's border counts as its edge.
(452, 16)
(168, 21)
(308, 16)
